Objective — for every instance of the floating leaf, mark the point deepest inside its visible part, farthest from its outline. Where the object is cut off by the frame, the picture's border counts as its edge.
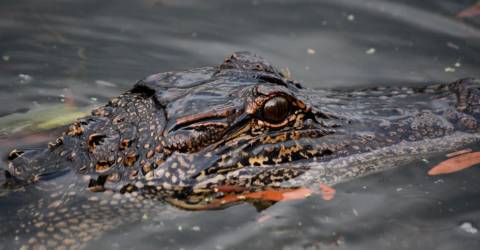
(460, 152)
(470, 12)
(297, 194)
(328, 192)
(279, 194)
(41, 118)
(456, 164)
(62, 120)
(28, 139)
(264, 218)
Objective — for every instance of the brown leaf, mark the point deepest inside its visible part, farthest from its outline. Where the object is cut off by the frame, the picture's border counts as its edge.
(328, 192)
(280, 194)
(472, 11)
(297, 194)
(460, 152)
(264, 218)
(456, 164)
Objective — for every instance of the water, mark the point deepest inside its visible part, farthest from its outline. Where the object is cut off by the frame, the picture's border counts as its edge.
(92, 50)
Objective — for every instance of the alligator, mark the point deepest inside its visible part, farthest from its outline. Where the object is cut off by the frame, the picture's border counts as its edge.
(183, 136)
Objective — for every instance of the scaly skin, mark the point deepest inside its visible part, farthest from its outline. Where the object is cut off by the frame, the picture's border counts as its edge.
(181, 135)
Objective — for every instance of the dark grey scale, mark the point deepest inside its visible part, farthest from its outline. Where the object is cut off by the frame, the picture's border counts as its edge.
(127, 146)
(270, 176)
(106, 153)
(424, 126)
(170, 172)
(307, 133)
(272, 151)
(241, 123)
(191, 140)
(467, 93)
(461, 121)
(53, 161)
(327, 151)
(68, 226)
(228, 164)
(200, 168)
(97, 145)
(104, 111)
(147, 155)
(128, 137)
(122, 153)
(276, 176)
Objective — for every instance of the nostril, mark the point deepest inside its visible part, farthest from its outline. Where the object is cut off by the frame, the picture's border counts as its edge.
(14, 154)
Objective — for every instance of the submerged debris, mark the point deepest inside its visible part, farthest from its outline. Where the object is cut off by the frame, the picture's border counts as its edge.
(453, 46)
(468, 228)
(105, 83)
(449, 69)
(328, 192)
(370, 51)
(24, 78)
(472, 11)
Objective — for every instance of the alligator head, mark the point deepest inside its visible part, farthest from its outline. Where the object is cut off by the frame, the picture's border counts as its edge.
(244, 123)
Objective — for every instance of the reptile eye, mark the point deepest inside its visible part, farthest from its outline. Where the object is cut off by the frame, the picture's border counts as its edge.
(276, 110)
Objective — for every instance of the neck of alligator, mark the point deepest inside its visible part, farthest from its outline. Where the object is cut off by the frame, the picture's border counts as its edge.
(380, 128)
(381, 117)
(245, 124)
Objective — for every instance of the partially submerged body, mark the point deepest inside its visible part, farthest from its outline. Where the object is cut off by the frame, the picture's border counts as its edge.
(181, 136)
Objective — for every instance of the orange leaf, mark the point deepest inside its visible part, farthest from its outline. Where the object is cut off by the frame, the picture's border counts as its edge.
(456, 164)
(300, 193)
(265, 195)
(471, 11)
(328, 192)
(280, 194)
(264, 218)
(268, 195)
(460, 152)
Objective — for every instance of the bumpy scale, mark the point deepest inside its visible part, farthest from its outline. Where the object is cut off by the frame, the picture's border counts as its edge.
(181, 135)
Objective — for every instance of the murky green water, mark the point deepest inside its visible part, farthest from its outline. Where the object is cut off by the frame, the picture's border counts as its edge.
(92, 50)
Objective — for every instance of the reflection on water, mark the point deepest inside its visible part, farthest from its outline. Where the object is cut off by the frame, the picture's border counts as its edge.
(93, 50)
(71, 44)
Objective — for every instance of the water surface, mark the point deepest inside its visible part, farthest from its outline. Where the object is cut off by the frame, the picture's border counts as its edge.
(87, 51)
